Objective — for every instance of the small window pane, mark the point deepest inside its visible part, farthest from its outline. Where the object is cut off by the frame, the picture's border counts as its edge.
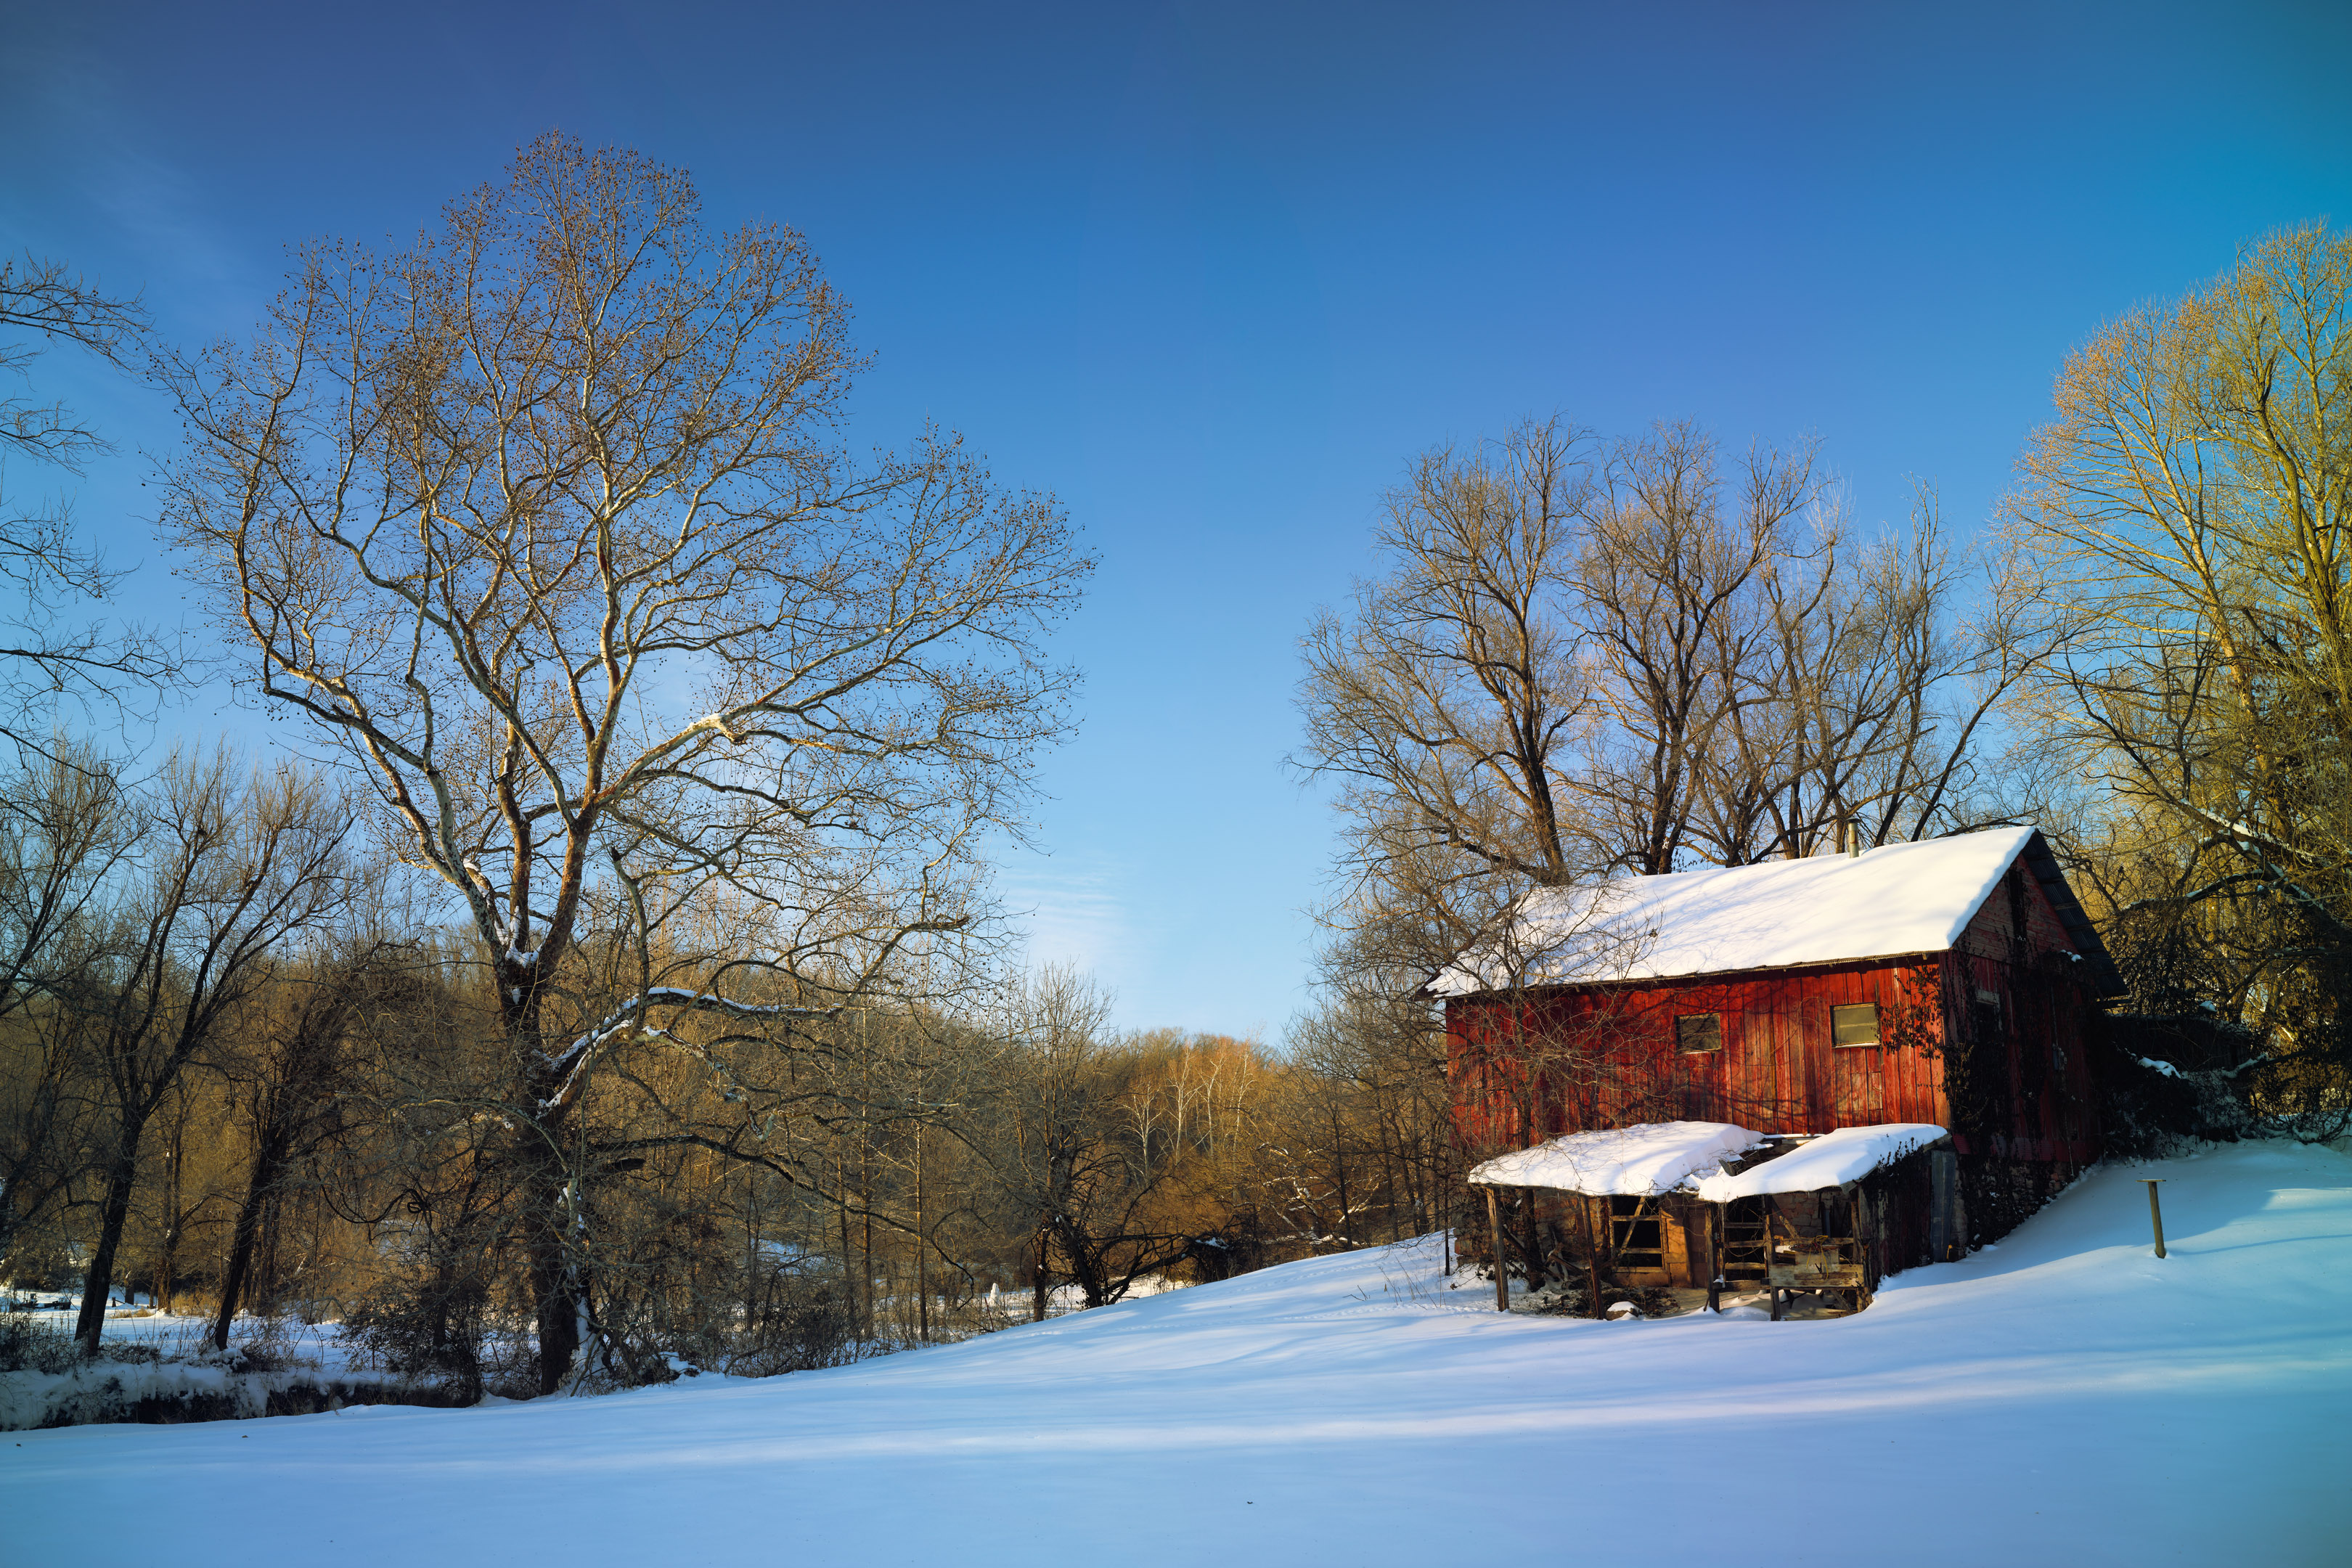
(1854, 1026)
(1699, 1031)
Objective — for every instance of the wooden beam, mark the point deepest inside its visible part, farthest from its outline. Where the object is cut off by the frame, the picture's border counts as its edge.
(1714, 1258)
(1495, 1253)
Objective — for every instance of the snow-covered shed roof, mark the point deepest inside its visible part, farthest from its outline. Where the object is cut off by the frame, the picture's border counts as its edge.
(1832, 1160)
(1887, 902)
(1622, 1162)
(1659, 1157)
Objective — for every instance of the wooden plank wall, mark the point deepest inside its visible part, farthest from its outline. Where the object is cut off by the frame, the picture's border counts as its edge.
(1568, 1061)
(2013, 991)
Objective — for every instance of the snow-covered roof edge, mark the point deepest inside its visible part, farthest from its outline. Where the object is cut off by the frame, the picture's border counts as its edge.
(1833, 1160)
(1894, 902)
(1641, 1160)
(1656, 1158)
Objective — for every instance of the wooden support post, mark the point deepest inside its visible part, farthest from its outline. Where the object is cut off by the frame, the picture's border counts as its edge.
(1591, 1256)
(1714, 1258)
(1495, 1253)
(2155, 1214)
(1531, 1249)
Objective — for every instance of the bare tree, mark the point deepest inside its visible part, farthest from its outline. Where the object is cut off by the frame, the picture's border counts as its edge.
(231, 869)
(289, 1062)
(1445, 705)
(1059, 1143)
(45, 300)
(1589, 657)
(2194, 504)
(68, 827)
(1679, 591)
(541, 521)
(45, 653)
(1859, 715)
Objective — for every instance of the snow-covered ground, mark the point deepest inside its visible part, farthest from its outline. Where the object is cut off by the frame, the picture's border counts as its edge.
(2064, 1399)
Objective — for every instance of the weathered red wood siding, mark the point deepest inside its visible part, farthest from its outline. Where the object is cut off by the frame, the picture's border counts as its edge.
(1571, 1059)
(2015, 995)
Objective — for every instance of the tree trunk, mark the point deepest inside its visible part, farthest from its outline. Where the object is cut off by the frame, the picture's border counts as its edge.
(120, 1177)
(848, 1274)
(922, 1246)
(167, 1267)
(554, 1290)
(555, 1287)
(268, 1161)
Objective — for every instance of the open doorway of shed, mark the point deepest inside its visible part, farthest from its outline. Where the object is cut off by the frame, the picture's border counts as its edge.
(1653, 1242)
(1637, 1238)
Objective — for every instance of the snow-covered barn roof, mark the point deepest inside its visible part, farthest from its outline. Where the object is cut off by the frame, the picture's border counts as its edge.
(1659, 1157)
(1622, 1161)
(1832, 1160)
(1887, 902)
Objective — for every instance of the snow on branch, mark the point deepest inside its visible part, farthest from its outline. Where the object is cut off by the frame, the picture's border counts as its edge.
(624, 1021)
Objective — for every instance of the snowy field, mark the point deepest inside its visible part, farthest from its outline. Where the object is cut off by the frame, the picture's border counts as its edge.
(2064, 1399)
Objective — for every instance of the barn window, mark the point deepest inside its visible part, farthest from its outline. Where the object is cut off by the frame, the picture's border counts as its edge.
(1699, 1031)
(1855, 1025)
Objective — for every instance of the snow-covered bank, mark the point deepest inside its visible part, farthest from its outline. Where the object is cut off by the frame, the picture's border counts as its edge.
(2064, 1399)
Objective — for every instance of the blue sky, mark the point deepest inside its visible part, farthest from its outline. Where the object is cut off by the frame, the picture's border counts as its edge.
(1212, 273)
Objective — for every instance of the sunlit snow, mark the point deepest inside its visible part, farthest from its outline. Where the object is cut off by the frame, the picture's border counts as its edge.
(2065, 1397)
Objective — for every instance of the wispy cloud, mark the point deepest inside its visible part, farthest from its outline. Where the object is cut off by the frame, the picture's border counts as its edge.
(1070, 910)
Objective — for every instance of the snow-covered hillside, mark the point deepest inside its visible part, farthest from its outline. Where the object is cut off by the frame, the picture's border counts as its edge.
(2064, 1399)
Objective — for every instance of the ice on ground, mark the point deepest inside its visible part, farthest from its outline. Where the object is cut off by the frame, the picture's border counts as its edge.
(2068, 1399)
(1831, 1160)
(1628, 1162)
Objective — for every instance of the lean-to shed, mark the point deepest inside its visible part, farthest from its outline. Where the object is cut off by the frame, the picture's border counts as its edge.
(1950, 982)
(1717, 1206)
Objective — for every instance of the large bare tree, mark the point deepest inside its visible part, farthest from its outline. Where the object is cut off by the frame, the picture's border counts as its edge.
(2193, 502)
(545, 523)
(1586, 656)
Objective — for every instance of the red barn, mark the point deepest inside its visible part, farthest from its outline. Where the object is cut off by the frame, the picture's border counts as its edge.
(1950, 982)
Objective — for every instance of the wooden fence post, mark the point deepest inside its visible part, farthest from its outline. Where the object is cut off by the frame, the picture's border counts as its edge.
(2155, 1215)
